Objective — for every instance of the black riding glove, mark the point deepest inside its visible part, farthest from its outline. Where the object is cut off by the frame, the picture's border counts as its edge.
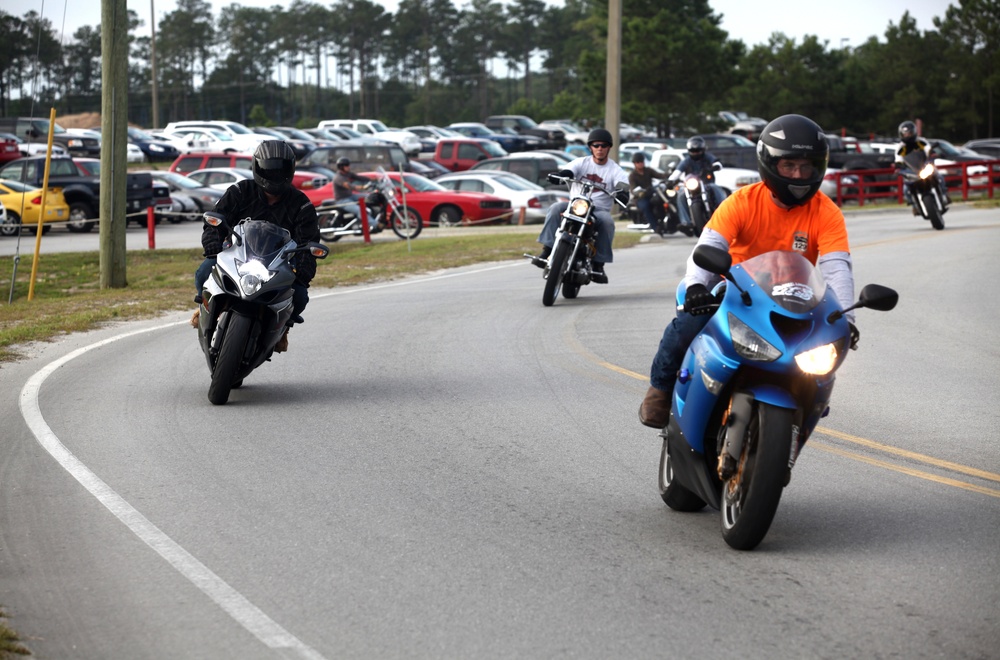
(697, 298)
(855, 336)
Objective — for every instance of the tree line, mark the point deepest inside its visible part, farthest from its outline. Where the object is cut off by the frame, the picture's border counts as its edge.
(434, 62)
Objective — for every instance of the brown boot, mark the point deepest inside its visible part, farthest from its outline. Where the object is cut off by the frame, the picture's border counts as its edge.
(195, 317)
(282, 344)
(655, 409)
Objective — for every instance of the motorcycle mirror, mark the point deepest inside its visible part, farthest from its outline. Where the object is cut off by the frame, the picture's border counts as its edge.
(877, 297)
(712, 259)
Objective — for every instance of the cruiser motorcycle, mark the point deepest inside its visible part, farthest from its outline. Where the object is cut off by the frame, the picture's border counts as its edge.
(247, 300)
(382, 203)
(570, 265)
(694, 194)
(753, 385)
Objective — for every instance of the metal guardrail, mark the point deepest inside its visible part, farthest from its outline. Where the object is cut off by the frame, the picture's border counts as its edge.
(886, 184)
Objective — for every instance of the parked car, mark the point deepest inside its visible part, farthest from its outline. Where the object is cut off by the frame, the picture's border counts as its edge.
(436, 205)
(33, 148)
(299, 147)
(242, 137)
(553, 139)
(154, 149)
(203, 139)
(531, 165)
(364, 156)
(427, 168)
(573, 134)
(36, 130)
(220, 178)
(409, 142)
(510, 143)
(989, 147)
(8, 148)
(740, 123)
(324, 134)
(190, 199)
(22, 204)
(459, 154)
(523, 194)
(187, 163)
(312, 140)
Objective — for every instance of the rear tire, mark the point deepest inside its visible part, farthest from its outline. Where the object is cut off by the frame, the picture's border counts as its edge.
(937, 221)
(750, 498)
(79, 218)
(674, 495)
(448, 216)
(557, 270)
(234, 345)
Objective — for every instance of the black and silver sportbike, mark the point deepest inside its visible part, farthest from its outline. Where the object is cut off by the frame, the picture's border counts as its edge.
(927, 194)
(247, 300)
(384, 208)
(570, 265)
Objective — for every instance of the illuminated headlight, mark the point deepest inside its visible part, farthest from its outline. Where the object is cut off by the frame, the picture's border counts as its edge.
(749, 344)
(253, 275)
(691, 184)
(819, 361)
(927, 171)
(579, 208)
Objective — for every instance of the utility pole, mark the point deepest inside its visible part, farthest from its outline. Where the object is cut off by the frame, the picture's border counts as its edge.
(114, 119)
(152, 64)
(613, 92)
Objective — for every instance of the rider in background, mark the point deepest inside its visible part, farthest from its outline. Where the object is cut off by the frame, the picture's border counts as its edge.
(642, 177)
(599, 168)
(784, 211)
(910, 142)
(697, 162)
(346, 191)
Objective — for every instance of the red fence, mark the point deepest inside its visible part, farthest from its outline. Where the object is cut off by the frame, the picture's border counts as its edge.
(964, 180)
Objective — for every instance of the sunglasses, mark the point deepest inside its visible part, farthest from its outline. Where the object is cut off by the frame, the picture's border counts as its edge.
(600, 145)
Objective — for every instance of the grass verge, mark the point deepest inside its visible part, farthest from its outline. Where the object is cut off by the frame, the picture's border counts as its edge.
(10, 643)
(68, 297)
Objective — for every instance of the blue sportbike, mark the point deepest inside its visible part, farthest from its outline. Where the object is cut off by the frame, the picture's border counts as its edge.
(753, 385)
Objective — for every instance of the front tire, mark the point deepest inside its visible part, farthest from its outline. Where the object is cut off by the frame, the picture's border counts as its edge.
(698, 218)
(750, 498)
(448, 216)
(557, 270)
(933, 213)
(406, 223)
(234, 345)
(674, 495)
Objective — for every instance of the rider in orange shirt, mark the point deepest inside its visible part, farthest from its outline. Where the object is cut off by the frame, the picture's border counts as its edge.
(785, 211)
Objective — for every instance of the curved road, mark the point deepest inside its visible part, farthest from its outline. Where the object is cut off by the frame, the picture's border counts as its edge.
(442, 468)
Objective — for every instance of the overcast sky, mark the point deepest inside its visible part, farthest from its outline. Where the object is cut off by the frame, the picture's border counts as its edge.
(751, 21)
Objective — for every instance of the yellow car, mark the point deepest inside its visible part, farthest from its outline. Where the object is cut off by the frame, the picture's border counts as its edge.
(23, 203)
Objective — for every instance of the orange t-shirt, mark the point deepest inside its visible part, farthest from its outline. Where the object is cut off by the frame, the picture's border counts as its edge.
(753, 224)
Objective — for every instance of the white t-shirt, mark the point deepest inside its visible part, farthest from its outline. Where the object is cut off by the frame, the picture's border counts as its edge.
(608, 175)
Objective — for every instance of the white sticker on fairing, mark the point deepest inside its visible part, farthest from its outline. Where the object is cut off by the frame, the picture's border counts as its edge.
(792, 289)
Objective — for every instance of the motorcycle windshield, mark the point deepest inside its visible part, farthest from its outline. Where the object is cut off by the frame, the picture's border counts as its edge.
(788, 278)
(915, 160)
(264, 239)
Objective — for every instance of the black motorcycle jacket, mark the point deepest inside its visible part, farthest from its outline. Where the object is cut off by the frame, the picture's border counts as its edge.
(694, 166)
(293, 211)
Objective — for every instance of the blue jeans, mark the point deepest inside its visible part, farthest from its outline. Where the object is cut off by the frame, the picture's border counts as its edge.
(300, 292)
(646, 211)
(605, 231)
(352, 207)
(677, 336)
(716, 194)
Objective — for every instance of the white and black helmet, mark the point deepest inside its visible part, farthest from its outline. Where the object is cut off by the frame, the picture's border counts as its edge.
(793, 137)
(273, 166)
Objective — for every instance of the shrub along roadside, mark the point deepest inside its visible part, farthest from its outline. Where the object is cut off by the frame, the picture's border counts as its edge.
(68, 297)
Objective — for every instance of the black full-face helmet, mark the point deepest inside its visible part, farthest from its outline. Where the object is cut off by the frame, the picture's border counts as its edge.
(273, 166)
(792, 137)
(908, 131)
(696, 147)
(600, 135)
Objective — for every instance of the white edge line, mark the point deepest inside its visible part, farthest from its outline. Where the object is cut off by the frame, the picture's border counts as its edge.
(231, 601)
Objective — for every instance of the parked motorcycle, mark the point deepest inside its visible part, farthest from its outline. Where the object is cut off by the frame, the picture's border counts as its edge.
(382, 203)
(695, 194)
(570, 265)
(928, 196)
(753, 386)
(247, 300)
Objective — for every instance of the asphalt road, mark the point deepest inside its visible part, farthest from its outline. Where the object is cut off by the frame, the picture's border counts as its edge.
(440, 467)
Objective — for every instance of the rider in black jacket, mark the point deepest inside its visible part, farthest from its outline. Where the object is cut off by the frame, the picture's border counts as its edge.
(269, 197)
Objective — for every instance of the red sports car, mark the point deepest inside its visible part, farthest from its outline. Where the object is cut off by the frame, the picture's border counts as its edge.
(438, 206)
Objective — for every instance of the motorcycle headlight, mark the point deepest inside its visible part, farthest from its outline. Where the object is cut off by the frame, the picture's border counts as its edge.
(749, 344)
(926, 171)
(691, 184)
(818, 361)
(579, 208)
(253, 275)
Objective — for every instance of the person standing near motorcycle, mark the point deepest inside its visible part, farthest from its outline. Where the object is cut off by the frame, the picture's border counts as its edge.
(642, 177)
(609, 174)
(783, 211)
(270, 197)
(697, 162)
(346, 187)
(910, 142)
